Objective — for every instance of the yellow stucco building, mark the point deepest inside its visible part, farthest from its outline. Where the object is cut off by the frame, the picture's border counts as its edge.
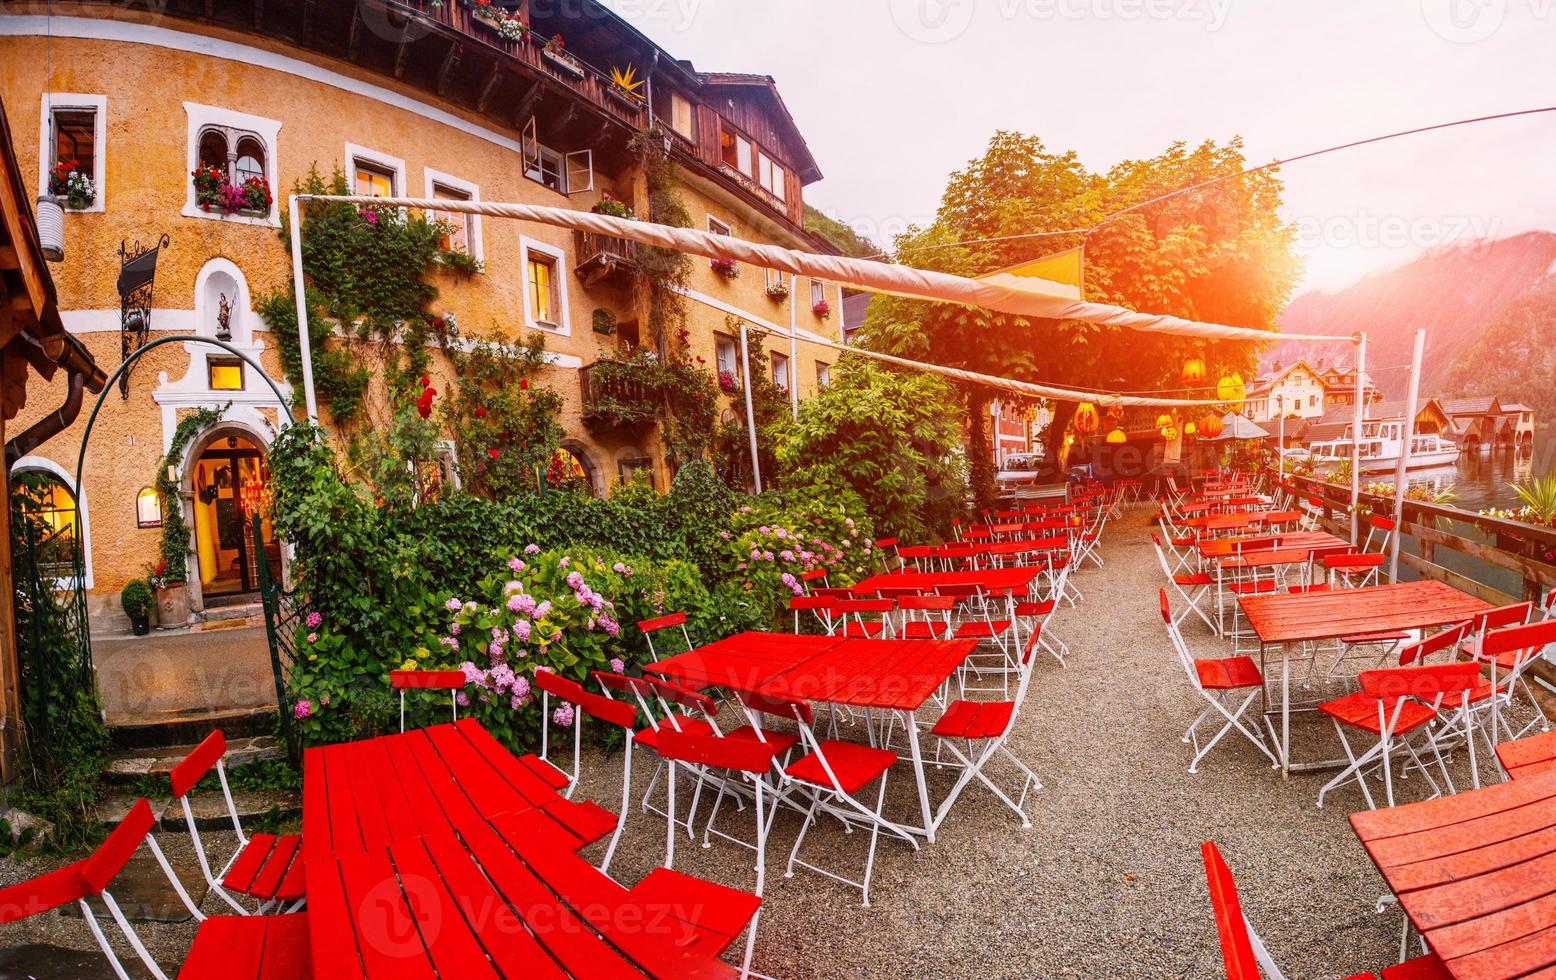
(405, 99)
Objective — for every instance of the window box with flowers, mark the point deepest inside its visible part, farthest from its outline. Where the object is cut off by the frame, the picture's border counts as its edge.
(556, 52)
(728, 268)
(778, 290)
(72, 185)
(509, 28)
(727, 382)
(613, 207)
(214, 192)
(821, 309)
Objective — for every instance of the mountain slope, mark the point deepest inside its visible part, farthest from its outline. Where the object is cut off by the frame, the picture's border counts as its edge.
(1514, 358)
(1455, 292)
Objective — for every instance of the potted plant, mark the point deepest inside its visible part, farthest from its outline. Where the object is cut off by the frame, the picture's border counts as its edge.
(256, 195)
(209, 180)
(556, 53)
(728, 268)
(821, 309)
(778, 290)
(172, 594)
(613, 207)
(69, 184)
(625, 85)
(727, 382)
(137, 602)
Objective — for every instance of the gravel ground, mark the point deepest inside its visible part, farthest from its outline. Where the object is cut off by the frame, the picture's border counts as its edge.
(1107, 882)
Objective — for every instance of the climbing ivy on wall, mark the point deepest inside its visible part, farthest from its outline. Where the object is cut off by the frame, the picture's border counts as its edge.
(175, 532)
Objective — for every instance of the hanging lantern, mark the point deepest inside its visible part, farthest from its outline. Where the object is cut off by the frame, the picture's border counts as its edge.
(51, 227)
(1230, 388)
(1193, 372)
(1117, 438)
(1086, 418)
(1210, 427)
(1163, 420)
(1188, 428)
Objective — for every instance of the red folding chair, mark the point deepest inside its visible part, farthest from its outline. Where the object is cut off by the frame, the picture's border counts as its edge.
(1392, 705)
(452, 681)
(818, 605)
(1201, 584)
(1510, 652)
(717, 913)
(272, 946)
(651, 626)
(831, 774)
(851, 612)
(1242, 951)
(680, 710)
(264, 867)
(1218, 681)
(554, 685)
(988, 725)
(926, 617)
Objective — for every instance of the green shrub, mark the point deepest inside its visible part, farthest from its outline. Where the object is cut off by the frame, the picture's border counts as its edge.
(136, 599)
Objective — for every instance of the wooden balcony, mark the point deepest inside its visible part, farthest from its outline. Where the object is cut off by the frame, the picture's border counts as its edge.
(614, 401)
(602, 259)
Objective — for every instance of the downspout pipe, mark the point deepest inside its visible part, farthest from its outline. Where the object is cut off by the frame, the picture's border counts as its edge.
(50, 425)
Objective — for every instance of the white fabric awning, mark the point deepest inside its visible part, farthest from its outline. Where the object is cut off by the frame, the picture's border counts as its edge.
(1018, 295)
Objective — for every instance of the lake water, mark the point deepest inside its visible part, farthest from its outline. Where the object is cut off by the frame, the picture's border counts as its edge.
(1483, 480)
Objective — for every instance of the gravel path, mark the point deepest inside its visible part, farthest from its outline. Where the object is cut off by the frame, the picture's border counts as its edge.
(1107, 882)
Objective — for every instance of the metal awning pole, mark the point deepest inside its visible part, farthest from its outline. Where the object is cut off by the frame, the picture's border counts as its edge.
(745, 366)
(1404, 457)
(794, 347)
(302, 307)
(1356, 432)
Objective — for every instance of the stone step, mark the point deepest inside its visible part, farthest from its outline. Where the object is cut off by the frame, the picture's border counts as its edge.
(129, 765)
(171, 729)
(209, 809)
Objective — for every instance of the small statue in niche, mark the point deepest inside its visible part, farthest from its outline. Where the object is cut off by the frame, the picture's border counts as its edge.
(223, 318)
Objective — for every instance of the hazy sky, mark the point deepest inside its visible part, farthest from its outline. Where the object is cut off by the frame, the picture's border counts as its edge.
(892, 95)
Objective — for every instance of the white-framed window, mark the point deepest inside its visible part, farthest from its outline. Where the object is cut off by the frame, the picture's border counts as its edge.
(465, 233)
(823, 375)
(74, 127)
(718, 227)
(737, 151)
(683, 118)
(771, 276)
(818, 292)
(726, 355)
(565, 173)
(770, 175)
(547, 170)
(56, 493)
(239, 146)
(373, 174)
(781, 370)
(148, 508)
(545, 288)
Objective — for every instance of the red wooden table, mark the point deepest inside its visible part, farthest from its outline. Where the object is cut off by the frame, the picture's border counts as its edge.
(1015, 578)
(1476, 873)
(888, 675)
(438, 853)
(742, 662)
(1288, 619)
(1314, 542)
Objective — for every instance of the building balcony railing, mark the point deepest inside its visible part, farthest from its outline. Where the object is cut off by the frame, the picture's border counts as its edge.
(615, 396)
(603, 259)
(587, 81)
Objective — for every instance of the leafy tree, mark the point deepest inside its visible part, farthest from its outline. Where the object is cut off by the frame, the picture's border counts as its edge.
(892, 438)
(1220, 254)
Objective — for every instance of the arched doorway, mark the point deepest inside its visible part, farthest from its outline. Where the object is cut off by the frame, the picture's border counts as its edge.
(228, 481)
(572, 463)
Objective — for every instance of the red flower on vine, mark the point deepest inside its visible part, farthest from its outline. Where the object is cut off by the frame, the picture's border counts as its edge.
(480, 412)
(492, 453)
(523, 384)
(424, 403)
(426, 382)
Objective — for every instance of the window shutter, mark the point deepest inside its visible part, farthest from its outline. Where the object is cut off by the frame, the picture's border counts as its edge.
(580, 171)
(529, 148)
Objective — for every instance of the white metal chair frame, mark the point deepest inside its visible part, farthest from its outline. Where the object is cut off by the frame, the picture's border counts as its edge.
(1218, 702)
